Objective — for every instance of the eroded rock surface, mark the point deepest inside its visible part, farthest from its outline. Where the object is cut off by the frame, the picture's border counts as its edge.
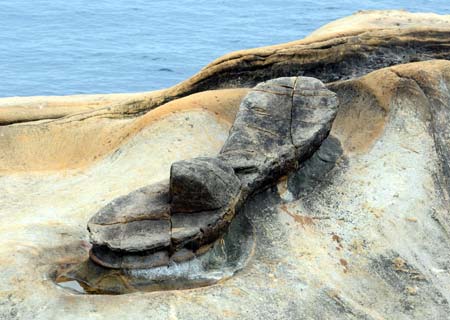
(344, 49)
(368, 237)
(280, 123)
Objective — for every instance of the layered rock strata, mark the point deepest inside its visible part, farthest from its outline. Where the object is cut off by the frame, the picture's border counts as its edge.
(344, 49)
(280, 123)
(368, 239)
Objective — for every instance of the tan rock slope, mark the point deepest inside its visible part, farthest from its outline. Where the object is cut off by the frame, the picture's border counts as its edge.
(359, 232)
(346, 48)
(78, 140)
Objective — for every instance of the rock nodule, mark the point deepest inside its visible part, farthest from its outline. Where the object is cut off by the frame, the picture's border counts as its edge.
(280, 123)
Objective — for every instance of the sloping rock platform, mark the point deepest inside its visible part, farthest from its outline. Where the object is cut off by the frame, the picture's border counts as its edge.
(359, 231)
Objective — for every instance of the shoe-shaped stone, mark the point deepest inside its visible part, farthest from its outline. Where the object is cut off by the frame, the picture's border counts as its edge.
(135, 222)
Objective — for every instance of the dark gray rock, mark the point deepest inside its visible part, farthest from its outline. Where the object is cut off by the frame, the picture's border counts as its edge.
(127, 260)
(315, 169)
(182, 255)
(201, 184)
(197, 229)
(135, 222)
(147, 203)
(280, 123)
(314, 108)
(132, 236)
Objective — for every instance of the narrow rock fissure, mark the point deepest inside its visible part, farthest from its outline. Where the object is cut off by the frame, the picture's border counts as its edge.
(292, 112)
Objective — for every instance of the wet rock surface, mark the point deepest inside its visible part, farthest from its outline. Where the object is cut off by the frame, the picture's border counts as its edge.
(280, 123)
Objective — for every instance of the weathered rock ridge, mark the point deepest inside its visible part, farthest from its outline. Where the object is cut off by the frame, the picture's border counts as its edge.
(280, 123)
(347, 48)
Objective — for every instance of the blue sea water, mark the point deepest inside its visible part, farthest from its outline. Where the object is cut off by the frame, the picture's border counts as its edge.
(55, 47)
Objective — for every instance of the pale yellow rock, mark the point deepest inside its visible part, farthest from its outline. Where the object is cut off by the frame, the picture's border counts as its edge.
(364, 21)
(22, 109)
(78, 140)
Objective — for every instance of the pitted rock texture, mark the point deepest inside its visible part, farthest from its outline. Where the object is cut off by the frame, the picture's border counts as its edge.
(280, 123)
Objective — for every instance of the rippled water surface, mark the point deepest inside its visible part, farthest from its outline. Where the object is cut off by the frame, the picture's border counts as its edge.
(55, 47)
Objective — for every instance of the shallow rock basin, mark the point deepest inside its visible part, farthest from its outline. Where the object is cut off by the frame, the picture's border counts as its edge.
(227, 256)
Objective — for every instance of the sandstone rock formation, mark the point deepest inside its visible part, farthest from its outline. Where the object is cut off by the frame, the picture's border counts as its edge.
(344, 49)
(347, 48)
(280, 123)
(359, 231)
